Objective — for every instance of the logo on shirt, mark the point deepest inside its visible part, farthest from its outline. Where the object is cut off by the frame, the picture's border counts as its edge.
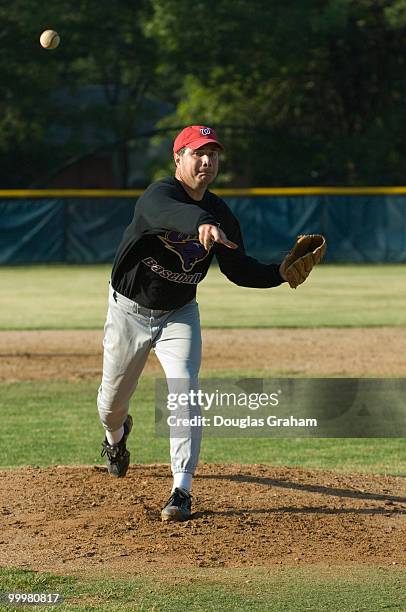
(187, 248)
(175, 277)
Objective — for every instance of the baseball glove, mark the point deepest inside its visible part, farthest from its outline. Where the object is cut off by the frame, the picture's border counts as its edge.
(307, 252)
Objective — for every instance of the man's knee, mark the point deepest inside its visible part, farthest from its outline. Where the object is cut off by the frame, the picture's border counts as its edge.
(112, 409)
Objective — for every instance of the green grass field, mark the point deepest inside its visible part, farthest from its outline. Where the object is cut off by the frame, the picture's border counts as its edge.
(48, 423)
(282, 589)
(75, 297)
(55, 422)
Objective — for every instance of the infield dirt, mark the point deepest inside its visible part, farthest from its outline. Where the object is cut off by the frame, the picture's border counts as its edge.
(67, 519)
(53, 355)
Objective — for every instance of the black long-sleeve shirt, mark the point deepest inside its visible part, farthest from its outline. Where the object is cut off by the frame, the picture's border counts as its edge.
(160, 260)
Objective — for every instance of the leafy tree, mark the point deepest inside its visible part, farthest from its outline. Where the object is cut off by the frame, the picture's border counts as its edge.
(314, 91)
(27, 77)
(107, 48)
(89, 93)
(308, 92)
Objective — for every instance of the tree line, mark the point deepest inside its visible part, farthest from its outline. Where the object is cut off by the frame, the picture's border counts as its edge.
(308, 92)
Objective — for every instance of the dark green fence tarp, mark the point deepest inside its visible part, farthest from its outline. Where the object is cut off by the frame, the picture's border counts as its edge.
(270, 225)
(94, 228)
(358, 228)
(366, 228)
(31, 231)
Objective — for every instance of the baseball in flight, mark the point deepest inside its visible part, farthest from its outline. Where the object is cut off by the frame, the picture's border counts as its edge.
(49, 39)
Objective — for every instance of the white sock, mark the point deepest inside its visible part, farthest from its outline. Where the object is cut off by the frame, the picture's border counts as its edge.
(115, 436)
(182, 480)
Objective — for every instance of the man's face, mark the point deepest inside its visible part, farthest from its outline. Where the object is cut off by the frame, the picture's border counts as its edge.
(198, 167)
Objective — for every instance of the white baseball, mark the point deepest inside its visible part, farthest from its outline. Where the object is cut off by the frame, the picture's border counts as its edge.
(49, 39)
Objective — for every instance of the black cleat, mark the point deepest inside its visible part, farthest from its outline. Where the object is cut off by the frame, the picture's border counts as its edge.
(178, 506)
(118, 457)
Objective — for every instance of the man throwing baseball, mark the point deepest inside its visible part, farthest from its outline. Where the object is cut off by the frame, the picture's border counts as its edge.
(177, 229)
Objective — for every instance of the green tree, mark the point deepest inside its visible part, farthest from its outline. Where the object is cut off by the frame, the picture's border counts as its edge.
(27, 76)
(106, 47)
(46, 116)
(308, 92)
(313, 91)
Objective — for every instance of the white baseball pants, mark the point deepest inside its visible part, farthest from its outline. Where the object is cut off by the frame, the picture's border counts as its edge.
(130, 332)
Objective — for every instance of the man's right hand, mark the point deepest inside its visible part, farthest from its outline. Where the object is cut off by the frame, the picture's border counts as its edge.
(212, 233)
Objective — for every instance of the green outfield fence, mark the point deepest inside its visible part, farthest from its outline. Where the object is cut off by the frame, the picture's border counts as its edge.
(361, 224)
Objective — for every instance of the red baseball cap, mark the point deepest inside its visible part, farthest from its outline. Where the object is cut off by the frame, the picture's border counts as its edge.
(195, 136)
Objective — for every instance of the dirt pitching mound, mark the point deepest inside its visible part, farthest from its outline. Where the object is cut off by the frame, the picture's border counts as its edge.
(68, 519)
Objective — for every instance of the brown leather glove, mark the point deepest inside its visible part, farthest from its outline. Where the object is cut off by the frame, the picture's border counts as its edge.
(308, 251)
